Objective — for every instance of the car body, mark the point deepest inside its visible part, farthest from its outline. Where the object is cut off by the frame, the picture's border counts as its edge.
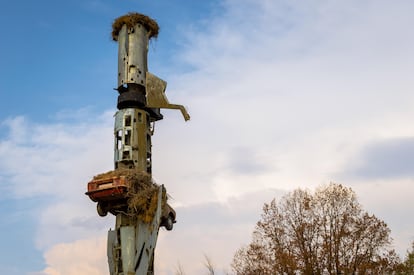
(111, 195)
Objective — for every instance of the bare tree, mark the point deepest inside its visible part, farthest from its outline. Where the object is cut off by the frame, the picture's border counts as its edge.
(209, 265)
(326, 232)
(179, 269)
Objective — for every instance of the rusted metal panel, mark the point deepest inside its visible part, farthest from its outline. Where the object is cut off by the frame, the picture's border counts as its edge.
(122, 56)
(146, 239)
(156, 97)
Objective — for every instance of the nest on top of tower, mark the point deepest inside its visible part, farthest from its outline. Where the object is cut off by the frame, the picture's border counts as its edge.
(130, 20)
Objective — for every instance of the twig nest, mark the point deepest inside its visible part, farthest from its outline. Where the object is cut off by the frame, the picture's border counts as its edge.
(133, 18)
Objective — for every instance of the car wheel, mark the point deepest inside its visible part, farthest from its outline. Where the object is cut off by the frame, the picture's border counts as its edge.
(169, 223)
(101, 210)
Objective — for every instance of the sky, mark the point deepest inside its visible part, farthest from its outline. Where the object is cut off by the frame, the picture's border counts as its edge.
(283, 94)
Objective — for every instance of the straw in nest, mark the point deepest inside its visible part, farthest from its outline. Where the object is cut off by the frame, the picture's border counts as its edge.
(131, 19)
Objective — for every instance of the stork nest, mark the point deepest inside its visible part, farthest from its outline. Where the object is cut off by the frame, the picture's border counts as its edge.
(130, 20)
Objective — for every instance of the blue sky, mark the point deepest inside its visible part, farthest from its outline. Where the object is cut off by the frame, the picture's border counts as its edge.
(283, 94)
(59, 54)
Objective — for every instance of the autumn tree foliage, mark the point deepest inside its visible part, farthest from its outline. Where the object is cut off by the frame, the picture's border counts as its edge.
(326, 232)
(407, 267)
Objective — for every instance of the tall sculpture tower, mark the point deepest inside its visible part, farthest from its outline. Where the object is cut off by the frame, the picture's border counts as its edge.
(128, 192)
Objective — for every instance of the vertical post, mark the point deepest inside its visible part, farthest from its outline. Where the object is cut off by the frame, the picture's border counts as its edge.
(135, 239)
(140, 206)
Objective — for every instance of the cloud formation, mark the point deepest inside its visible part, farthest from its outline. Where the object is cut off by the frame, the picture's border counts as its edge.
(307, 88)
(79, 257)
(385, 159)
(45, 167)
(283, 94)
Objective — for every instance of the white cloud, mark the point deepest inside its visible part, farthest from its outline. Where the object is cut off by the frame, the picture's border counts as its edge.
(305, 86)
(290, 91)
(55, 162)
(55, 159)
(80, 257)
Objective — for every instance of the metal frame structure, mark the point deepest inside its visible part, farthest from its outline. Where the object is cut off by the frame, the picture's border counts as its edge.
(132, 242)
